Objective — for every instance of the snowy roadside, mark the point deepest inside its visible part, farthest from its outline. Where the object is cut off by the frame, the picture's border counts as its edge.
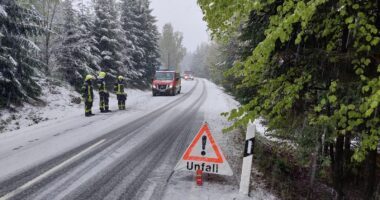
(57, 99)
(58, 105)
(182, 184)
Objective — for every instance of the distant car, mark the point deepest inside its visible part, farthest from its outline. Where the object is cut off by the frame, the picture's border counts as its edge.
(188, 75)
(166, 83)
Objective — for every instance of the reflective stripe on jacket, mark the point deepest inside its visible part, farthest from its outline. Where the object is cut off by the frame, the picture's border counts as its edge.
(119, 88)
(102, 85)
(87, 92)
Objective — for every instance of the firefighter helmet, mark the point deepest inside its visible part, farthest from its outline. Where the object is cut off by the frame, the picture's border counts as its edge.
(89, 77)
(102, 74)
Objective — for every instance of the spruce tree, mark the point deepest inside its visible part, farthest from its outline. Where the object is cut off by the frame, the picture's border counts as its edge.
(109, 37)
(75, 55)
(141, 31)
(131, 19)
(87, 27)
(18, 54)
(150, 41)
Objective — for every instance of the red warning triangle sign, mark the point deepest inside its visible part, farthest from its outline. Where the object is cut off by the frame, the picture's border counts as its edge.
(195, 156)
(204, 154)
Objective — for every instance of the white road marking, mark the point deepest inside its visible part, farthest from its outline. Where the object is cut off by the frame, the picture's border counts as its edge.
(49, 172)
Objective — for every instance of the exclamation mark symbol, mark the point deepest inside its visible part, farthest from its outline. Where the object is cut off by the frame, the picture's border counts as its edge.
(204, 140)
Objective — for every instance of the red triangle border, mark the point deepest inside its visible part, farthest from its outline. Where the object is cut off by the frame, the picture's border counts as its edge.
(187, 154)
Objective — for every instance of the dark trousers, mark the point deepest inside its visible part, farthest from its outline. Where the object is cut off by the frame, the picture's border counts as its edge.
(87, 108)
(104, 101)
(121, 101)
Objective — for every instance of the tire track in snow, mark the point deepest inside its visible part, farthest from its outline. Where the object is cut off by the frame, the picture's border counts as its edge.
(135, 167)
(15, 182)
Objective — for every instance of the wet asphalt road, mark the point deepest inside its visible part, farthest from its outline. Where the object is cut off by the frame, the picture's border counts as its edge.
(132, 162)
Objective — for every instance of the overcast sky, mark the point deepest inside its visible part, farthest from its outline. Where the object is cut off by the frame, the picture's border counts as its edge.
(185, 16)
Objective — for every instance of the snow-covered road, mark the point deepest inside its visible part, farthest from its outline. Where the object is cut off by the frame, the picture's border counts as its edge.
(122, 155)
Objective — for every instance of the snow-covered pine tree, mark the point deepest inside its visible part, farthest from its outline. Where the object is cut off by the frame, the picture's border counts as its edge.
(77, 54)
(131, 22)
(150, 40)
(87, 27)
(140, 29)
(109, 37)
(18, 54)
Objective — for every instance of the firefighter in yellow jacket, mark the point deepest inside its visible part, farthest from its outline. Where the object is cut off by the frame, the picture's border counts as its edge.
(103, 93)
(88, 95)
(119, 90)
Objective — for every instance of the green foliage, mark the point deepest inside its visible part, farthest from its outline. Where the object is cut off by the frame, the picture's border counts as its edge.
(224, 16)
(317, 61)
(310, 69)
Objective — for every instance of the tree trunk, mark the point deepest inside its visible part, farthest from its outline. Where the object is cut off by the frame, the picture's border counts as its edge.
(377, 192)
(47, 54)
(338, 166)
(313, 169)
(347, 155)
(49, 26)
(378, 13)
(326, 149)
(371, 176)
(332, 155)
(9, 99)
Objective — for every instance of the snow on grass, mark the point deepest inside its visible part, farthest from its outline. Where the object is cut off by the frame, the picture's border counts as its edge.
(56, 104)
(260, 128)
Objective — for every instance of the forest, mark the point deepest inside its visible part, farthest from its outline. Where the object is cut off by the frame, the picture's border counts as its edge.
(309, 69)
(69, 39)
